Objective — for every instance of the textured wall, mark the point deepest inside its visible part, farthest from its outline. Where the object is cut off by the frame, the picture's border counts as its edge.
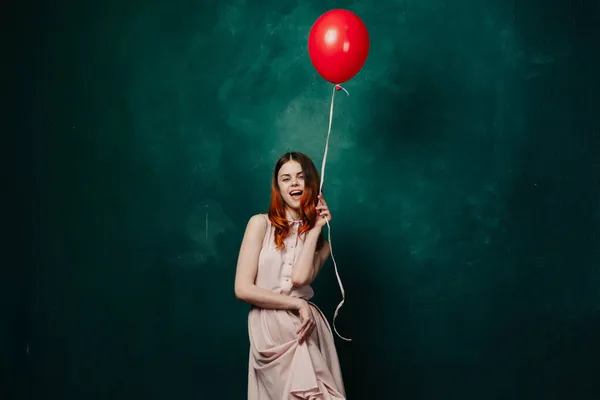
(463, 175)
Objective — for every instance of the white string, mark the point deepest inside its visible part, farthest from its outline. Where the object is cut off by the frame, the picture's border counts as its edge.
(335, 88)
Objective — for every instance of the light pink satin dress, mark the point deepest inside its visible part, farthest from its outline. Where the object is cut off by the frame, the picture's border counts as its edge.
(280, 368)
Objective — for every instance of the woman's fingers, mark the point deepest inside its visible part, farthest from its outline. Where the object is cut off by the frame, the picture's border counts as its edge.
(307, 331)
(305, 334)
(325, 214)
(303, 325)
(301, 337)
(306, 327)
(302, 332)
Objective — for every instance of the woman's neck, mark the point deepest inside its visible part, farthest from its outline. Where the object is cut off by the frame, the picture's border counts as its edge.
(292, 215)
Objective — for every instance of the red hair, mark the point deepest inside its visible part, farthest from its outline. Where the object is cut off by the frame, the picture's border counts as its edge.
(308, 202)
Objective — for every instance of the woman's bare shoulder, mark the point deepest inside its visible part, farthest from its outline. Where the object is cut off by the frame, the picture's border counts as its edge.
(257, 223)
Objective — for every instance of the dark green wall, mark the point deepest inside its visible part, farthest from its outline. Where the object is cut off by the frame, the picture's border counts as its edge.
(463, 174)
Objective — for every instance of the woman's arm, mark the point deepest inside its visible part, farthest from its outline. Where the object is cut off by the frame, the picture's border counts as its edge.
(247, 268)
(309, 261)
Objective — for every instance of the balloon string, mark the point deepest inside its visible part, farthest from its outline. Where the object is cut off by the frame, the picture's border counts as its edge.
(335, 88)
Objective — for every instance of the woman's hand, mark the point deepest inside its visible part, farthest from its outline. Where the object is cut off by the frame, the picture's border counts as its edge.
(308, 322)
(323, 213)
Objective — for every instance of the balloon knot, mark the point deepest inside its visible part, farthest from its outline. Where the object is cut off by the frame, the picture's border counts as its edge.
(339, 87)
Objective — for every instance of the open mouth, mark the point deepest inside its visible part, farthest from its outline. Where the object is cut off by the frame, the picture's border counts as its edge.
(296, 194)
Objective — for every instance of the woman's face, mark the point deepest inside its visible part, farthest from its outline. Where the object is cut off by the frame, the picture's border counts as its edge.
(291, 183)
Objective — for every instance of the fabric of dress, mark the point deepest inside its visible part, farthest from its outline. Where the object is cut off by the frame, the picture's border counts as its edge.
(279, 367)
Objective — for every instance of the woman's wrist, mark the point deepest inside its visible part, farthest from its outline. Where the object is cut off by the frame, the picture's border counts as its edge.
(298, 303)
(316, 230)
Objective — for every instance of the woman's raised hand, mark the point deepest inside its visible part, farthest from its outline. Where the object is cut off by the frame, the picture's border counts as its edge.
(323, 213)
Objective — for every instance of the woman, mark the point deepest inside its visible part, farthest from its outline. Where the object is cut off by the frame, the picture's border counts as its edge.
(292, 352)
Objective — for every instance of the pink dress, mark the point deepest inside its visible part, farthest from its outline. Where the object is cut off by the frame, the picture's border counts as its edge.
(280, 368)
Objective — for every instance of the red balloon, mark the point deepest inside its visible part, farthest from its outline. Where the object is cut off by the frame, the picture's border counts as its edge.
(338, 45)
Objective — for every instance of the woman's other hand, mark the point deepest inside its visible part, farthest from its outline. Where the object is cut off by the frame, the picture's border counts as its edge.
(307, 322)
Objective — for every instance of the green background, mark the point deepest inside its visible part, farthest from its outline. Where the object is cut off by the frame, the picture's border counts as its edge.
(463, 176)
